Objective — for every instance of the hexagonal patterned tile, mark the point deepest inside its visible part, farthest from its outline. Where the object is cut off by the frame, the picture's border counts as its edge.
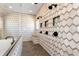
(63, 47)
(78, 11)
(59, 46)
(76, 37)
(66, 29)
(60, 35)
(61, 6)
(65, 4)
(58, 29)
(77, 28)
(62, 17)
(72, 13)
(69, 50)
(69, 7)
(76, 52)
(75, 5)
(65, 54)
(69, 22)
(66, 42)
(59, 12)
(72, 44)
(66, 15)
(58, 24)
(76, 20)
(61, 40)
(64, 23)
(64, 35)
(77, 46)
(64, 10)
(73, 29)
(61, 29)
(61, 52)
(69, 36)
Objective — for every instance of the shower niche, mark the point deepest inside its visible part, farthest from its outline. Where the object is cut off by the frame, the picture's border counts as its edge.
(55, 22)
(40, 25)
(46, 23)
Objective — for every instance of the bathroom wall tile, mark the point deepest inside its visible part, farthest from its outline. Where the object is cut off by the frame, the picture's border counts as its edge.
(69, 36)
(61, 29)
(64, 10)
(66, 15)
(66, 29)
(76, 20)
(72, 44)
(76, 37)
(78, 11)
(64, 35)
(63, 47)
(77, 46)
(72, 13)
(64, 23)
(76, 52)
(69, 50)
(75, 5)
(69, 22)
(78, 29)
(62, 17)
(69, 7)
(73, 29)
(65, 4)
(67, 42)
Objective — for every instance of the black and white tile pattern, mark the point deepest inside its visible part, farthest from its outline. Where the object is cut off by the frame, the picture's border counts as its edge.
(67, 26)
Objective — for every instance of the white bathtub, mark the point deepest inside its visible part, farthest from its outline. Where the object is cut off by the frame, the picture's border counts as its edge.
(6, 49)
(17, 49)
(4, 46)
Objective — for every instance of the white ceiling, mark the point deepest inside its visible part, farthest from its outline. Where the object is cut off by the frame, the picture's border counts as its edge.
(28, 8)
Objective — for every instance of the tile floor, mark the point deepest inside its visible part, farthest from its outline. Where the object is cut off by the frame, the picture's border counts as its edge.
(30, 49)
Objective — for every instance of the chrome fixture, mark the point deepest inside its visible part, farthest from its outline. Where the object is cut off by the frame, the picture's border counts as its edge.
(55, 34)
(52, 5)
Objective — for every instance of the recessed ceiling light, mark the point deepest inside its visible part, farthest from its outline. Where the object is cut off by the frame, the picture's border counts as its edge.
(10, 6)
(33, 3)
